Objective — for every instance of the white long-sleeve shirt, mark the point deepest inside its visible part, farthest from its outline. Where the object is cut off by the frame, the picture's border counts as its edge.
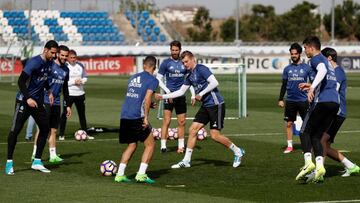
(76, 72)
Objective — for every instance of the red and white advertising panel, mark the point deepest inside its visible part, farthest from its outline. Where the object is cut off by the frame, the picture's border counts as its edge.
(94, 65)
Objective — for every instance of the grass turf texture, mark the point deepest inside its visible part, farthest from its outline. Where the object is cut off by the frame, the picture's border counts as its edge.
(266, 175)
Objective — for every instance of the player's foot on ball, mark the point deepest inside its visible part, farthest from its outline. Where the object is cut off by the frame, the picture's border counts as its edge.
(122, 179)
(143, 179)
(349, 171)
(181, 164)
(39, 166)
(163, 150)
(180, 150)
(61, 138)
(9, 169)
(288, 150)
(307, 168)
(238, 157)
(56, 159)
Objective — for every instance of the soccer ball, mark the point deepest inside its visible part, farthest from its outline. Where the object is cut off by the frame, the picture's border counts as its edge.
(201, 134)
(172, 133)
(108, 168)
(156, 132)
(80, 135)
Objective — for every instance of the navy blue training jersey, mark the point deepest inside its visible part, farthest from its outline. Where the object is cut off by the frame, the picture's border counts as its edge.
(341, 87)
(138, 84)
(198, 79)
(58, 75)
(296, 74)
(38, 69)
(326, 90)
(174, 73)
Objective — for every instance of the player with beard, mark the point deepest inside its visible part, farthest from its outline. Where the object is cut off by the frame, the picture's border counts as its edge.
(58, 81)
(174, 72)
(296, 101)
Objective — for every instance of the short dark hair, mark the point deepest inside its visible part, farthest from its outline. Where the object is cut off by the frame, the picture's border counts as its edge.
(51, 44)
(297, 47)
(72, 52)
(175, 43)
(186, 53)
(150, 61)
(313, 41)
(330, 52)
(63, 48)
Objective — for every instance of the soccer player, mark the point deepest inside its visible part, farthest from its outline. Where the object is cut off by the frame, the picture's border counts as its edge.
(58, 81)
(77, 79)
(29, 101)
(174, 72)
(296, 101)
(212, 109)
(329, 136)
(325, 104)
(134, 122)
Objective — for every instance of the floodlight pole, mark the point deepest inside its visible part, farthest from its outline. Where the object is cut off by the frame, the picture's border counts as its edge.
(237, 22)
(333, 21)
(29, 24)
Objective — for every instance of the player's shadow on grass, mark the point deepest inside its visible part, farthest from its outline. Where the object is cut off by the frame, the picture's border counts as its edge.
(209, 162)
(174, 148)
(333, 170)
(69, 155)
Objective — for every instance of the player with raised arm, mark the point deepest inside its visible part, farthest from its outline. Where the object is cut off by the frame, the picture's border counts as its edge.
(58, 81)
(325, 104)
(174, 72)
(296, 101)
(29, 101)
(212, 109)
(134, 122)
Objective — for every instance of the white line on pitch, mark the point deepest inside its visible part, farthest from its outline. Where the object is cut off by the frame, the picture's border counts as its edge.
(335, 201)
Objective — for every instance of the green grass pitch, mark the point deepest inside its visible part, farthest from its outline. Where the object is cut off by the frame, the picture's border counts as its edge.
(266, 175)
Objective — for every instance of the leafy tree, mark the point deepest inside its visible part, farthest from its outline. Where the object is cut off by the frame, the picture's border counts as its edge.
(347, 20)
(201, 32)
(227, 30)
(296, 24)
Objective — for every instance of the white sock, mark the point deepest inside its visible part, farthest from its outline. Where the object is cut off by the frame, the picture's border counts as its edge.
(290, 143)
(347, 163)
(187, 157)
(307, 157)
(52, 152)
(121, 170)
(142, 169)
(34, 150)
(163, 143)
(319, 162)
(235, 149)
(9, 160)
(181, 143)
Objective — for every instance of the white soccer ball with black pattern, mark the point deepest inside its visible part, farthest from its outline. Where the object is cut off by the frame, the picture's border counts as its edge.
(80, 135)
(172, 133)
(202, 134)
(108, 168)
(156, 132)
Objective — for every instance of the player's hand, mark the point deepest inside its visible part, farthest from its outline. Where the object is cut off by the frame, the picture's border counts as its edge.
(153, 105)
(68, 112)
(281, 103)
(304, 86)
(198, 97)
(51, 98)
(78, 82)
(310, 95)
(193, 101)
(158, 96)
(170, 101)
(32, 103)
(145, 123)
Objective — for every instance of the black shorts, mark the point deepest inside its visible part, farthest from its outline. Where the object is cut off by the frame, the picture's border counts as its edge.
(319, 118)
(178, 103)
(334, 127)
(214, 114)
(131, 130)
(292, 108)
(53, 114)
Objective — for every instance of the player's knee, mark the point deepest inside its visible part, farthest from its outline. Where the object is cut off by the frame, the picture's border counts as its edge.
(181, 122)
(193, 131)
(289, 124)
